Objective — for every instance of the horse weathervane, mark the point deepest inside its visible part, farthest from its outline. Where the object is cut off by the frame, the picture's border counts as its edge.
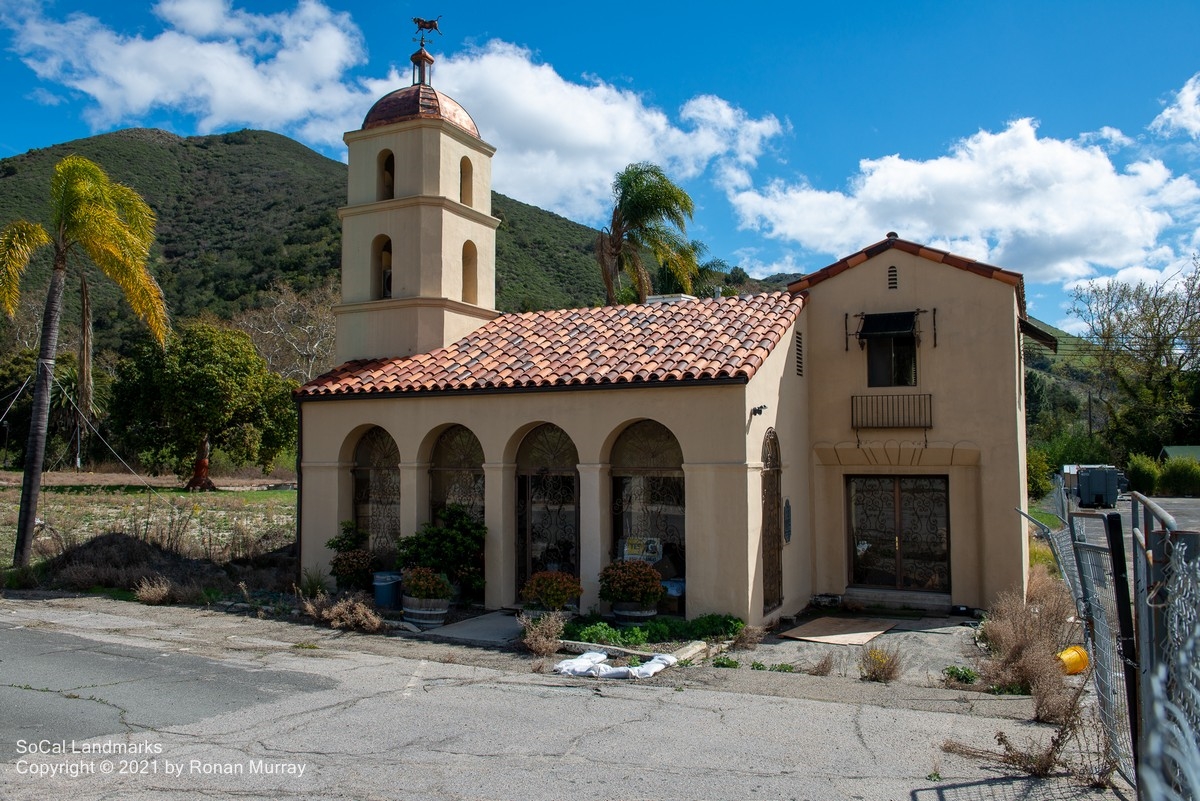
(425, 26)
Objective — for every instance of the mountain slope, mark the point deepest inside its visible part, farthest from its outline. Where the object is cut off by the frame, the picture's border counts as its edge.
(239, 211)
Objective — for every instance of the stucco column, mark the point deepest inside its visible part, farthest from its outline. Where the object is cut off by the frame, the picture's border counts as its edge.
(414, 496)
(717, 540)
(500, 548)
(322, 507)
(594, 524)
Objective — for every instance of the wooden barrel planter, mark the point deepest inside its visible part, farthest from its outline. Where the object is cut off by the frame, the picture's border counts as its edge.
(425, 613)
(631, 613)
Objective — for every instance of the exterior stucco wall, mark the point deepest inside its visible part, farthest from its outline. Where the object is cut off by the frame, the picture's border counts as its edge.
(777, 386)
(977, 439)
(720, 442)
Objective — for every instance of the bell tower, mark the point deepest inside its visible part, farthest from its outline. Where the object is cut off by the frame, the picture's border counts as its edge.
(418, 235)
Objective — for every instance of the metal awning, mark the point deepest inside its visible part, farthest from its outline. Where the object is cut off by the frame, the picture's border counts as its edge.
(1039, 336)
(892, 324)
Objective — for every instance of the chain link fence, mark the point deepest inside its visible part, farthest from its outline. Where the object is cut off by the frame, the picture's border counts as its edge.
(1144, 644)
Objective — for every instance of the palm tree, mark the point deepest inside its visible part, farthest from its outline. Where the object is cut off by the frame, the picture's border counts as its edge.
(94, 217)
(649, 213)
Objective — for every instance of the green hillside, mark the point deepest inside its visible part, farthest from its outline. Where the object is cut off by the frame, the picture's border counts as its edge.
(239, 211)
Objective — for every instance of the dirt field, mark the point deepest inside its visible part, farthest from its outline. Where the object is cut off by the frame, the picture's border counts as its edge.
(72, 478)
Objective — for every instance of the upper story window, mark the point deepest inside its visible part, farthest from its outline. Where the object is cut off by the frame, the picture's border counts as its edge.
(891, 343)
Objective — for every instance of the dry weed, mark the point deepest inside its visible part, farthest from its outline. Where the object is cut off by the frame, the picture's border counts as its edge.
(1024, 636)
(748, 638)
(822, 667)
(542, 633)
(154, 591)
(879, 663)
(353, 612)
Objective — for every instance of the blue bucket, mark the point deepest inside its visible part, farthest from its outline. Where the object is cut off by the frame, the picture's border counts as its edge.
(387, 590)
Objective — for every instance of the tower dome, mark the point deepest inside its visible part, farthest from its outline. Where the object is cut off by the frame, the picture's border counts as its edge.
(419, 101)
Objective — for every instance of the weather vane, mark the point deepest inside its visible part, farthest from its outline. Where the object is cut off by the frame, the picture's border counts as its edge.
(426, 25)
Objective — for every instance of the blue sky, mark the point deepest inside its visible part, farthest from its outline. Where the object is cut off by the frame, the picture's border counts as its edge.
(1056, 139)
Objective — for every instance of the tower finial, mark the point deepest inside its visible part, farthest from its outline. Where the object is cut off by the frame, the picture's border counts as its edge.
(422, 61)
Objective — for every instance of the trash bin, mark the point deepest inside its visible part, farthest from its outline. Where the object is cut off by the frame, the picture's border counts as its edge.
(1098, 486)
(387, 590)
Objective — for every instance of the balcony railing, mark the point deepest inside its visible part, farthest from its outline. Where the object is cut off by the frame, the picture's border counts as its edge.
(891, 411)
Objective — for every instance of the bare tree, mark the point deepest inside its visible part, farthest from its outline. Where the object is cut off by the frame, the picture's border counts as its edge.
(1143, 342)
(294, 331)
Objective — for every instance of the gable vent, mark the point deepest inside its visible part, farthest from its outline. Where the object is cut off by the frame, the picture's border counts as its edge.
(799, 354)
(893, 278)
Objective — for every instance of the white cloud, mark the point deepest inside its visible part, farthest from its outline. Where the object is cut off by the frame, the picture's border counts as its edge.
(1183, 115)
(225, 67)
(562, 141)
(1053, 209)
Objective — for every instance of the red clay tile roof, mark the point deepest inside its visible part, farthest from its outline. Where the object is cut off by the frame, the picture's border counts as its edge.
(655, 343)
(917, 249)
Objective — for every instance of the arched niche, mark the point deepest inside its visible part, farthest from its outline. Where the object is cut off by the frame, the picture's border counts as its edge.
(381, 267)
(547, 503)
(456, 472)
(470, 273)
(648, 505)
(377, 488)
(385, 176)
(466, 182)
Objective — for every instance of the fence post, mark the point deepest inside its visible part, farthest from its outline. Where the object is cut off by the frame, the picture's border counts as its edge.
(1126, 641)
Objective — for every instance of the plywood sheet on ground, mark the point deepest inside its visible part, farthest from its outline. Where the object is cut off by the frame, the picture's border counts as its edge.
(841, 630)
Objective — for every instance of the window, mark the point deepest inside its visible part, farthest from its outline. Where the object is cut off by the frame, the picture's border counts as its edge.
(892, 361)
(891, 343)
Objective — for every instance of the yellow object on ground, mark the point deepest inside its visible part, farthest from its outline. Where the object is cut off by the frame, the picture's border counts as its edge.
(1074, 660)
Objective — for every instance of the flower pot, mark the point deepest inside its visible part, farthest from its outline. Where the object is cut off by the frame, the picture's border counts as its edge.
(425, 613)
(632, 613)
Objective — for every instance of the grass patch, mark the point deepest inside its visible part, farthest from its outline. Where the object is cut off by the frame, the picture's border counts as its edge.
(1046, 519)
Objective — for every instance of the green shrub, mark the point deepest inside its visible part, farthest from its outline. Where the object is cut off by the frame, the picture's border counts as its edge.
(1037, 473)
(1143, 473)
(715, 627)
(960, 675)
(454, 548)
(725, 662)
(353, 569)
(660, 629)
(352, 538)
(1180, 477)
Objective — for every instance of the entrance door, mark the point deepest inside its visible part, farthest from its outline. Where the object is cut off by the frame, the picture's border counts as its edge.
(772, 523)
(899, 532)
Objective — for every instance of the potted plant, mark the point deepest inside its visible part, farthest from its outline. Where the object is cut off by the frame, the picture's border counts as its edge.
(353, 564)
(633, 588)
(426, 598)
(453, 546)
(551, 589)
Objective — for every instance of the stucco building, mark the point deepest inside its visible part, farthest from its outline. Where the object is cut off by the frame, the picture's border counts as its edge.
(861, 434)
